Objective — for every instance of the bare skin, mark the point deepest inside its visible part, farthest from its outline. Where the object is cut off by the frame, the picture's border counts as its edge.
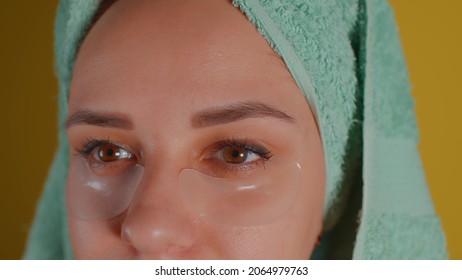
(157, 64)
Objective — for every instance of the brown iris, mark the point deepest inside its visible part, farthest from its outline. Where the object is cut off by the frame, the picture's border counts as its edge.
(108, 152)
(234, 154)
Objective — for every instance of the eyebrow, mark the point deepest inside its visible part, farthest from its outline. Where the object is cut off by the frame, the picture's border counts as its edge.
(209, 117)
(89, 117)
(237, 111)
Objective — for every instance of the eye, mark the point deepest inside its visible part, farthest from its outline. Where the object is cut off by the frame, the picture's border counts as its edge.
(236, 155)
(232, 157)
(110, 152)
(106, 158)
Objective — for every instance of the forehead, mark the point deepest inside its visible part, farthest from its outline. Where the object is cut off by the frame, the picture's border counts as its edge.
(169, 52)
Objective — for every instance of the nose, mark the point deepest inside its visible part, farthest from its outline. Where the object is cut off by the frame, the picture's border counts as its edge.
(158, 224)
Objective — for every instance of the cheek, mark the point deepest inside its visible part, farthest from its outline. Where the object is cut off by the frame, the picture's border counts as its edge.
(290, 238)
(98, 240)
(83, 237)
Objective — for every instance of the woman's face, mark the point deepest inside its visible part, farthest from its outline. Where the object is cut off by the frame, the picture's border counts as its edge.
(170, 85)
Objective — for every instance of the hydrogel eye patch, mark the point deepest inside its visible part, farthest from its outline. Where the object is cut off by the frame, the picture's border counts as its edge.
(258, 199)
(93, 197)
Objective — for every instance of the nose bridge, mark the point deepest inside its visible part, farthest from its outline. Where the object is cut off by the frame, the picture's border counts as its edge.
(157, 218)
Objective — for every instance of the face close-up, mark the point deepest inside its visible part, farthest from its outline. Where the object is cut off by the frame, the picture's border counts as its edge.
(185, 104)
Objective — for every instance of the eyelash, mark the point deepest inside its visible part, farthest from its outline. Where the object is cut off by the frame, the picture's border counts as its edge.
(263, 152)
(90, 144)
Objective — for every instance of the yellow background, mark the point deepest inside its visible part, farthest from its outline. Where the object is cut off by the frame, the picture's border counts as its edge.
(432, 38)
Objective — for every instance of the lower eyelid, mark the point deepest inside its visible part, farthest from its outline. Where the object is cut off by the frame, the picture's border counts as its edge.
(244, 168)
(113, 167)
(219, 168)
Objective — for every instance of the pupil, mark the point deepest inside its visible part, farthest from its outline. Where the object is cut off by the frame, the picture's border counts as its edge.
(235, 153)
(110, 152)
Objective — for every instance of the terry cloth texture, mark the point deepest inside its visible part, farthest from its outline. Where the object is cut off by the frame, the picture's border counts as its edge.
(346, 57)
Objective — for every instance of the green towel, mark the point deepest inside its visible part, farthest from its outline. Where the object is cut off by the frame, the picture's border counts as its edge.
(346, 57)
